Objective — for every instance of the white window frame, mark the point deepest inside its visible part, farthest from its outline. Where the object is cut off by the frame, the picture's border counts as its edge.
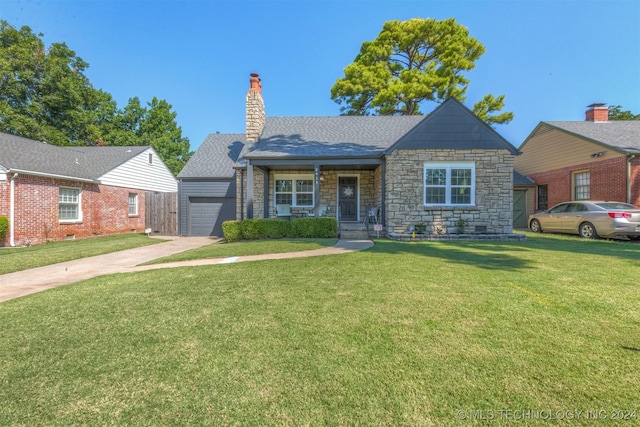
(293, 178)
(583, 189)
(134, 205)
(77, 203)
(448, 167)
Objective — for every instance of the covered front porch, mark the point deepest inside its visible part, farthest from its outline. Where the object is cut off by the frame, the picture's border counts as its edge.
(345, 190)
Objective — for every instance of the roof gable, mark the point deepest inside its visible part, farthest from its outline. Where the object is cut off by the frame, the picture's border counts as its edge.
(452, 126)
(216, 157)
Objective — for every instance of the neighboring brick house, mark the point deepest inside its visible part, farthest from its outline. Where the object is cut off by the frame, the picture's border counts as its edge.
(52, 193)
(433, 170)
(594, 159)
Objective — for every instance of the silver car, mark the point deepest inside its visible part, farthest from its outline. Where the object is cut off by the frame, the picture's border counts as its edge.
(589, 219)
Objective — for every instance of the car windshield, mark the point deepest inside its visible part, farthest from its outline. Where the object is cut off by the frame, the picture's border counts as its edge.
(616, 206)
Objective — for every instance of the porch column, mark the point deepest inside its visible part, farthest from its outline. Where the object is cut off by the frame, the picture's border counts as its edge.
(250, 184)
(316, 190)
(265, 195)
(383, 197)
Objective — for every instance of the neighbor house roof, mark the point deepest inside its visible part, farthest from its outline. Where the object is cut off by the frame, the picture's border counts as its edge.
(623, 136)
(216, 156)
(26, 155)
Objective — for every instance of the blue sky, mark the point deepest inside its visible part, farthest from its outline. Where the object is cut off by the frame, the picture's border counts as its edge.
(550, 58)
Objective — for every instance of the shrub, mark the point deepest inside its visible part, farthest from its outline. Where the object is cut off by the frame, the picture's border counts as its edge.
(315, 227)
(275, 228)
(4, 226)
(250, 229)
(272, 228)
(232, 231)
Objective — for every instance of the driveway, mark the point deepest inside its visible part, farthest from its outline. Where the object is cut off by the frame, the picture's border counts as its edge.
(27, 282)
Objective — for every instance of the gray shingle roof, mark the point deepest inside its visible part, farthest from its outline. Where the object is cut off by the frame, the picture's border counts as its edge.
(621, 135)
(87, 163)
(215, 157)
(451, 125)
(519, 179)
(340, 136)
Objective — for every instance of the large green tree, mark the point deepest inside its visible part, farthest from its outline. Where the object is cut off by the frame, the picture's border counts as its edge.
(45, 95)
(616, 113)
(409, 63)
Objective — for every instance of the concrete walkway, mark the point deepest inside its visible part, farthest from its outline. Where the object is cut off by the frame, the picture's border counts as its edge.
(27, 282)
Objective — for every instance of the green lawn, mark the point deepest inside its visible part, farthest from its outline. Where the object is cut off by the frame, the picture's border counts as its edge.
(23, 258)
(242, 248)
(401, 334)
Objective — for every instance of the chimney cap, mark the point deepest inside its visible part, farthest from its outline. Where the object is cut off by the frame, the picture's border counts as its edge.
(597, 104)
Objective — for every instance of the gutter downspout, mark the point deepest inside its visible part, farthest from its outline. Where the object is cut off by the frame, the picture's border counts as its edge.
(630, 157)
(12, 208)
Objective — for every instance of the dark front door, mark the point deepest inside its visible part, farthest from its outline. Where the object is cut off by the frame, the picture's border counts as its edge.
(348, 198)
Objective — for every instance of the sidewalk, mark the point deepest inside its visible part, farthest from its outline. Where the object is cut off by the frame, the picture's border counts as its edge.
(27, 282)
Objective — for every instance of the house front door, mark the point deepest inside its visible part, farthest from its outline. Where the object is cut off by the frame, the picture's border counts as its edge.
(348, 198)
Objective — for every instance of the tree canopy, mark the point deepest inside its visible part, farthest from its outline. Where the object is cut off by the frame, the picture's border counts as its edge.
(616, 113)
(411, 62)
(45, 95)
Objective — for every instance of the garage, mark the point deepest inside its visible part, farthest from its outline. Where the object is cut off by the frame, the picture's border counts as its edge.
(206, 215)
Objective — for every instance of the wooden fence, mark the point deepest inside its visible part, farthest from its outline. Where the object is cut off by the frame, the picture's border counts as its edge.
(161, 213)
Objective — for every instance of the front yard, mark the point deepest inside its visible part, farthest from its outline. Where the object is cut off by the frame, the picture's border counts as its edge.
(433, 333)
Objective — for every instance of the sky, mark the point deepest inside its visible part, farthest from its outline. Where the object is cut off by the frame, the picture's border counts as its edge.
(551, 59)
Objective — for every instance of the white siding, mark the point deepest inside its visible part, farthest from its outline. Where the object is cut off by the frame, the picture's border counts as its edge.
(138, 173)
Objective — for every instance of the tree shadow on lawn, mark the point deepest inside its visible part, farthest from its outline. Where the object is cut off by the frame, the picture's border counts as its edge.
(487, 255)
(499, 255)
(578, 245)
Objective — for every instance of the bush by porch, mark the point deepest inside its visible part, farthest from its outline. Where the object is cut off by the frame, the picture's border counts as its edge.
(270, 228)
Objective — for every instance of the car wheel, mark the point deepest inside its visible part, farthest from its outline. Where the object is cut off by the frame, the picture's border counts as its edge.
(535, 226)
(588, 231)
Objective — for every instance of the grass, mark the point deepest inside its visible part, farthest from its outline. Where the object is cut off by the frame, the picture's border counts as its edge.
(23, 258)
(222, 249)
(401, 334)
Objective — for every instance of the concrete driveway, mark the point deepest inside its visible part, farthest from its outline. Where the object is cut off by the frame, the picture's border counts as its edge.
(27, 282)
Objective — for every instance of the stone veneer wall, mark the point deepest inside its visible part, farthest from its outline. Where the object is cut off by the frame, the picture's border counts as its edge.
(494, 192)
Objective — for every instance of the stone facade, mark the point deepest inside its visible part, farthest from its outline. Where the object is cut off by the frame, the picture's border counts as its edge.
(492, 213)
(255, 112)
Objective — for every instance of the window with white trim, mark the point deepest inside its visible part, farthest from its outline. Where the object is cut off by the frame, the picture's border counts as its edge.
(582, 185)
(133, 204)
(69, 204)
(293, 190)
(449, 184)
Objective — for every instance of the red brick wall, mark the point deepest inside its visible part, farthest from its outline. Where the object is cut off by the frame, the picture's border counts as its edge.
(608, 181)
(105, 210)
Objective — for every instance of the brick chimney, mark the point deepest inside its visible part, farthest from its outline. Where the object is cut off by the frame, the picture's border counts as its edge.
(597, 113)
(255, 109)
